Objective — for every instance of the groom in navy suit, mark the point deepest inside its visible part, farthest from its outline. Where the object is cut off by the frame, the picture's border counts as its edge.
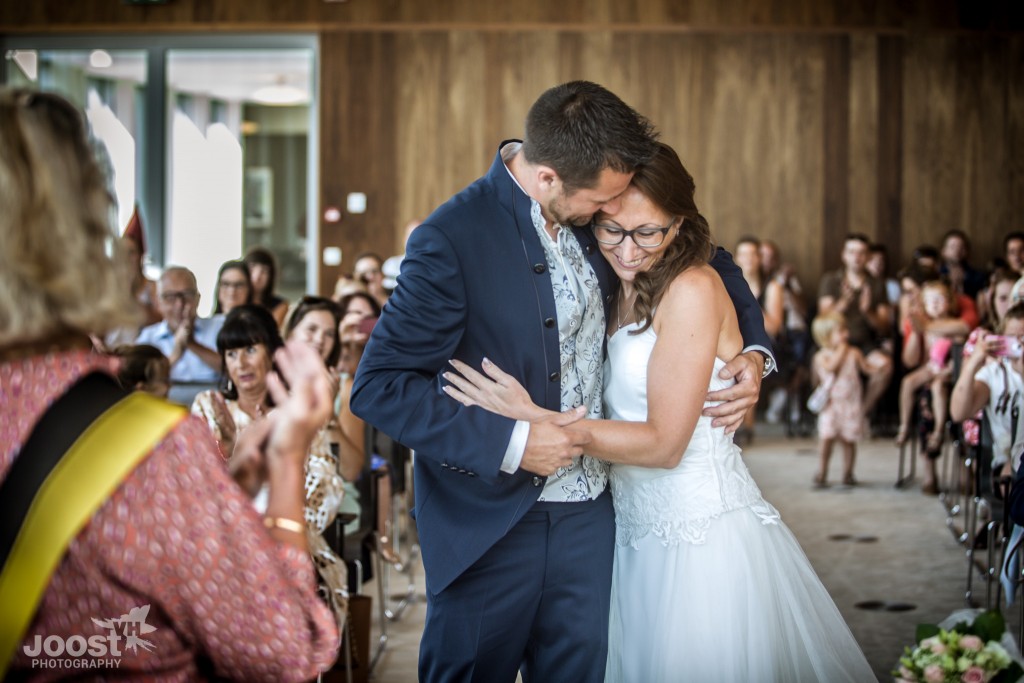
(515, 523)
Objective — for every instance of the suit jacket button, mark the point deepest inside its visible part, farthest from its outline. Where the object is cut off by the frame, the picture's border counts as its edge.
(549, 322)
(539, 268)
(590, 248)
(472, 474)
(536, 481)
(553, 377)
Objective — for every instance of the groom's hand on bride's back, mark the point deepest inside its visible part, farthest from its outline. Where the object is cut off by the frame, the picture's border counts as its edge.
(553, 442)
(740, 397)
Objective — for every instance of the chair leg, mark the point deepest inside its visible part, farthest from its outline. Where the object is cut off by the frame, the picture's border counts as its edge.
(382, 640)
(909, 447)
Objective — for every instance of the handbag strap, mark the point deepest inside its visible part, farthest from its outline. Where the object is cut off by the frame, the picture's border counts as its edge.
(839, 366)
(78, 453)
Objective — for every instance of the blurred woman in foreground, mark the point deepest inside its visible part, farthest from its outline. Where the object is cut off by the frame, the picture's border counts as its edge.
(177, 533)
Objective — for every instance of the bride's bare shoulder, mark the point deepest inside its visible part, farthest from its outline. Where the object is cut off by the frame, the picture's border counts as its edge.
(699, 281)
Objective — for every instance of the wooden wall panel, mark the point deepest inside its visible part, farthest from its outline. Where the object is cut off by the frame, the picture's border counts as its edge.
(923, 133)
(957, 166)
(891, 141)
(745, 113)
(754, 140)
(863, 141)
(357, 144)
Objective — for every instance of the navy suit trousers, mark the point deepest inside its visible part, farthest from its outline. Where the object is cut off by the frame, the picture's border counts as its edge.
(537, 601)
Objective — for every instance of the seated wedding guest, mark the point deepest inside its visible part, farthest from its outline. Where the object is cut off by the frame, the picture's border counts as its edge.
(926, 256)
(992, 378)
(878, 266)
(345, 285)
(263, 271)
(143, 368)
(359, 313)
(337, 459)
(794, 342)
(954, 265)
(1013, 251)
(771, 298)
(315, 321)
(999, 302)
(234, 287)
(367, 270)
(853, 292)
(1012, 259)
(911, 280)
(173, 542)
(187, 340)
(934, 328)
(248, 343)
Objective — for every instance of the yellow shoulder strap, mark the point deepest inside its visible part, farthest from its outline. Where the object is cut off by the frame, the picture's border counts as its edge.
(87, 475)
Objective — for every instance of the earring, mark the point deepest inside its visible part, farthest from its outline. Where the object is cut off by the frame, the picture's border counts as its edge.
(231, 385)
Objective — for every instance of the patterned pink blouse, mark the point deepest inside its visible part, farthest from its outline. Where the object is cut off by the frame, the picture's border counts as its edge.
(179, 537)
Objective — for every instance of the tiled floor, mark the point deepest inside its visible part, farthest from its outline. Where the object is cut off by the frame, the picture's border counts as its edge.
(871, 543)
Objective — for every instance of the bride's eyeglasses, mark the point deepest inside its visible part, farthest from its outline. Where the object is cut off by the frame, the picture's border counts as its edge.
(645, 237)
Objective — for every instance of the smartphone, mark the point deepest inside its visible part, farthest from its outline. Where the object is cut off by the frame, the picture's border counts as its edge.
(366, 325)
(1009, 347)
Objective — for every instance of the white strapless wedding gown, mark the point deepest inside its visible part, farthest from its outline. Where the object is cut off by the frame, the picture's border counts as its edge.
(709, 585)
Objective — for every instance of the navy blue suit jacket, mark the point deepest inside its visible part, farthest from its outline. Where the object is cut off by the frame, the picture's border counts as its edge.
(474, 282)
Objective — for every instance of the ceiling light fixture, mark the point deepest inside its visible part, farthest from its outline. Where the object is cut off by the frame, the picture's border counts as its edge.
(280, 94)
(100, 59)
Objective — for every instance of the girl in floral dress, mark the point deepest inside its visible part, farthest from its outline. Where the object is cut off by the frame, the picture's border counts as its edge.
(842, 419)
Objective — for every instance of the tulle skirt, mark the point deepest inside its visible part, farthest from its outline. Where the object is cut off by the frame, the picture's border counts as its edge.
(744, 607)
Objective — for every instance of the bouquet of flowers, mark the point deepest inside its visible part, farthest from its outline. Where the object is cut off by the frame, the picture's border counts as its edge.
(965, 653)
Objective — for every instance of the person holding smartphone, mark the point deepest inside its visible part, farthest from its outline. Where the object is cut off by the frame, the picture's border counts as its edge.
(997, 387)
(369, 271)
(359, 313)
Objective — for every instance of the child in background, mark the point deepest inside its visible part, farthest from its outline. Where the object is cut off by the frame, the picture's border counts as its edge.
(842, 419)
(933, 330)
(144, 368)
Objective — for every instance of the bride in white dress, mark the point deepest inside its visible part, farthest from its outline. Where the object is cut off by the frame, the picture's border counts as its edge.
(708, 583)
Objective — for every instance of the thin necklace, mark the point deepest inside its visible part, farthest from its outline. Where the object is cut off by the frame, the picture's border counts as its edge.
(629, 309)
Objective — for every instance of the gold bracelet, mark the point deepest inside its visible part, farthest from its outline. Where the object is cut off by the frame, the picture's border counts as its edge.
(284, 523)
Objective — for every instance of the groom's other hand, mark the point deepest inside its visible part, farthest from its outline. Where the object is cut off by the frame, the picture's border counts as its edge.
(746, 368)
(553, 442)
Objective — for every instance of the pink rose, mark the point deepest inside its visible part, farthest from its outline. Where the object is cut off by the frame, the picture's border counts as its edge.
(934, 644)
(971, 643)
(974, 675)
(907, 674)
(933, 673)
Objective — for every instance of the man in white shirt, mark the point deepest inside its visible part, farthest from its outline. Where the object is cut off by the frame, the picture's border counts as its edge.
(188, 341)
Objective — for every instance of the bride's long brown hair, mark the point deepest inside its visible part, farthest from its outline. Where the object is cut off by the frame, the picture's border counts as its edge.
(670, 187)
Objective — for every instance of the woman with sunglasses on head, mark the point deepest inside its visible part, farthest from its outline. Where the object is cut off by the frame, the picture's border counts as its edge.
(700, 555)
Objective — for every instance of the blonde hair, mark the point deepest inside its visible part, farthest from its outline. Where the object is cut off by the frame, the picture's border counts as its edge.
(57, 278)
(823, 327)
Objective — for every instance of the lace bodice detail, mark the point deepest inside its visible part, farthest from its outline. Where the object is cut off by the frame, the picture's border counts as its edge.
(679, 504)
